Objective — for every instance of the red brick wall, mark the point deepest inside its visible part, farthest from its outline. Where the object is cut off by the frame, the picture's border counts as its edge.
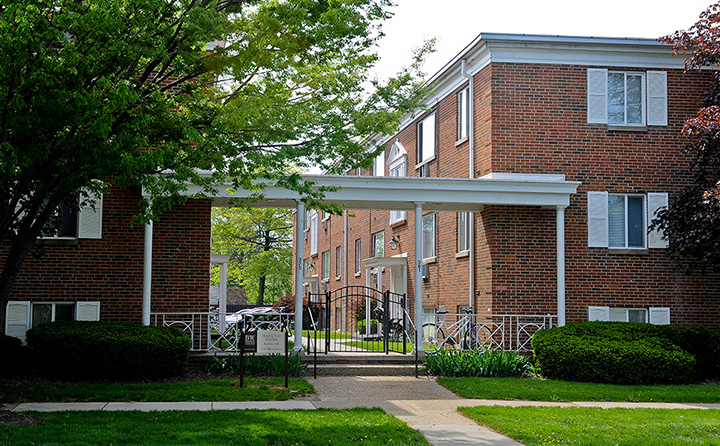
(110, 270)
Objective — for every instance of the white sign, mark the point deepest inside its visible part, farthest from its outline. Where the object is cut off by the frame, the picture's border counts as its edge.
(270, 342)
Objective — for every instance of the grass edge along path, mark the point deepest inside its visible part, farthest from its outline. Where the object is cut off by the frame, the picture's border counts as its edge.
(248, 427)
(560, 391)
(535, 426)
(220, 389)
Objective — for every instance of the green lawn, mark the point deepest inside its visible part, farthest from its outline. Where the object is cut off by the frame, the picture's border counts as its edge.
(14, 391)
(593, 426)
(548, 390)
(245, 428)
(378, 346)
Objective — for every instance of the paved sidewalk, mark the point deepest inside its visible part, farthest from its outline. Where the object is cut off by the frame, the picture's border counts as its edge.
(420, 402)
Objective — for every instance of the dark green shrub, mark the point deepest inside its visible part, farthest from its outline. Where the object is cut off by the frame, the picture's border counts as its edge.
(110, 350)
(269, 365)
(474, 363)
(612, 352)
(701, 342)
(9, 347)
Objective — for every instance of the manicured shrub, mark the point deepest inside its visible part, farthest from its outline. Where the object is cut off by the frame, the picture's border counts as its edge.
(474, 363)
(612, 352)
(362, 323)
(110, 350)
(9, 346)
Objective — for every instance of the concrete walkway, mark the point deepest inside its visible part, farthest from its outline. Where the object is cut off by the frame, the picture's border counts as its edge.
(420, 402)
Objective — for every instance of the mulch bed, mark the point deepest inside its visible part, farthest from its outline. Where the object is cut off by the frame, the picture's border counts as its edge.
(10, 418)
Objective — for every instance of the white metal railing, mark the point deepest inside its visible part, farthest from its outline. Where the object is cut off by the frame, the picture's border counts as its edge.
(216, 332)
(507, 332)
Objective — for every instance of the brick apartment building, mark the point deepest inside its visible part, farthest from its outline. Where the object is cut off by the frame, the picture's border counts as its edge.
(606, 113)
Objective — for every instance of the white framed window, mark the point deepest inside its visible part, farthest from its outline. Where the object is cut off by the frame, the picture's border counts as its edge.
(20, 316)
(358, 256)
(378, 248)
(653, 315)
(463, 231)
(428, 226)
(68, 222)
(338, 261)
(397, 167)
(313, 232)
(326, 265)
(379, 165)
(627, 98)
(306, 267)
(464, 113)
(621, 220)
(426, 139)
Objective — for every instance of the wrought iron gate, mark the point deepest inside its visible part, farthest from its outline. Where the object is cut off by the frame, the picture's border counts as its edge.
(362, 319)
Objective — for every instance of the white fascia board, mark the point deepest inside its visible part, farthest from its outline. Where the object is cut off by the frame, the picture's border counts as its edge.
(401, 193)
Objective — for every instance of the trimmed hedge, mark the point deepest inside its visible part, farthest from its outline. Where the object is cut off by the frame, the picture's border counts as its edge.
(628, 353)
(105, 350)
(9, 346)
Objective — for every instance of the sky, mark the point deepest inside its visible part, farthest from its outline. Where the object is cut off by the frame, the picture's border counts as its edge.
(455, 23)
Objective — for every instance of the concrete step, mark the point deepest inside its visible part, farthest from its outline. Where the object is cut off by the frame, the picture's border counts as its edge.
(359, 364)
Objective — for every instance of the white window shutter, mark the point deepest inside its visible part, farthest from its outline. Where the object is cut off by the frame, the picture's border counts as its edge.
(90, 219)
(597, 96)
(618, 315)
(598, 313)
(17, 319)
(660, 316)
(656, 201)
(598, 219)
(87, 311)
(657, 108)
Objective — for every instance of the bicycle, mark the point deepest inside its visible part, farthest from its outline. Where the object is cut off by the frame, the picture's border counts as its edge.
(464, 334)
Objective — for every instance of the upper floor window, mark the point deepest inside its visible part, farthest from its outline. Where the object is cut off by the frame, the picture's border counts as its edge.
(428, 226)
(338, 261)
(358, 256)
(63, 223)
(397, 166)
(426, 139)
(378, 248)
(621, 220)
(463, 231)
(326, 265)
(633, 99)
(69, 222)
(313, 232)
(379, 165)
(464, 113)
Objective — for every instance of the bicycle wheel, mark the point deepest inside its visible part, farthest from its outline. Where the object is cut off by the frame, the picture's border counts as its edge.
(433, 336)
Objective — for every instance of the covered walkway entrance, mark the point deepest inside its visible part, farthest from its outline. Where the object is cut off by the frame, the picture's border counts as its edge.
(400, 194)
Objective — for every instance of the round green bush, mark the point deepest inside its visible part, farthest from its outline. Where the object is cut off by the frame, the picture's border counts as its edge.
(617, 353)
(105, 350)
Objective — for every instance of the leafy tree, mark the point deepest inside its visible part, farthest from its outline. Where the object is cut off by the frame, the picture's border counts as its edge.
(692, 221)
(259, 243)
(159, 94)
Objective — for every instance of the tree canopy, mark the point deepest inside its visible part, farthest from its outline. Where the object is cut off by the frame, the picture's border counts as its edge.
(692, 221)
(259, 243)
(159, 94)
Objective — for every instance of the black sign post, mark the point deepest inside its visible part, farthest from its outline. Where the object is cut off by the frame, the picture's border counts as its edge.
(248, 343)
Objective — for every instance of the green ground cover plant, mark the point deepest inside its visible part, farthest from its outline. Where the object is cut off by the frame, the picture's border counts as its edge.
(258, 365)
(25, 390)
(536, 426)
(551, 390)
(474, 363)
(245, 428)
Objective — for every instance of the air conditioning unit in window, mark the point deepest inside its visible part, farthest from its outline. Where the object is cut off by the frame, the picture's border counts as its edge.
(324, 223)
(424, 271)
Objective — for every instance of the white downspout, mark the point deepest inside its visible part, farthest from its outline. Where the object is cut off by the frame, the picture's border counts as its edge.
(471, 174)
(147, 273)
(561, 265)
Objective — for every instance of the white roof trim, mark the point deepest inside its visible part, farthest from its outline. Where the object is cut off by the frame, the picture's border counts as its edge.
(435, 194)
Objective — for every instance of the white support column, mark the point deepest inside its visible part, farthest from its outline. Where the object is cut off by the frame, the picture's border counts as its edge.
(147, 273)
(223, 295)
(418, 274)
(561, 265)
(299, 253)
